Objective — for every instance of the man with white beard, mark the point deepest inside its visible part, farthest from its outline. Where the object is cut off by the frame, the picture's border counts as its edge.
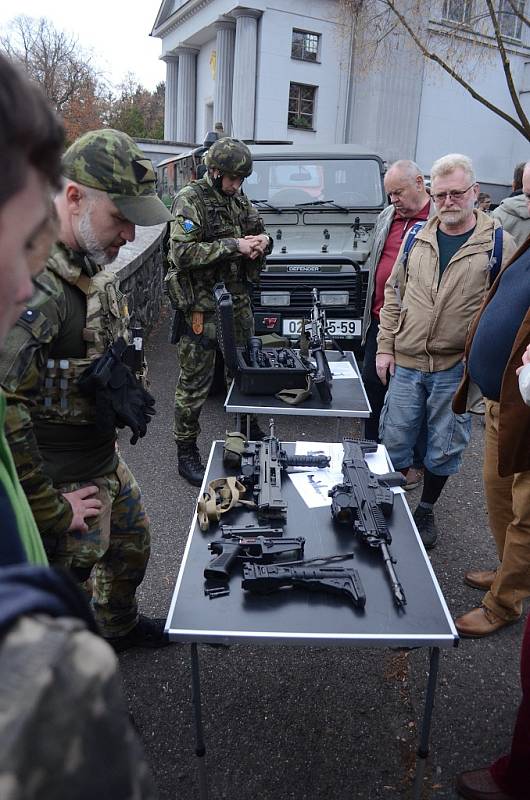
(85, 501)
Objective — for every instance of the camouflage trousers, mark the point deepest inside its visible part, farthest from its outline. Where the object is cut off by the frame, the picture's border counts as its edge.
(110, 559)
(197, 368)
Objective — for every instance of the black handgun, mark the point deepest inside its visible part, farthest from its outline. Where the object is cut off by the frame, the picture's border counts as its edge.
(257, 548)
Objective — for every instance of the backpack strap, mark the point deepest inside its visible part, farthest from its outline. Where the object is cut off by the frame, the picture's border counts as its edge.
(409, 242)
(496, 254)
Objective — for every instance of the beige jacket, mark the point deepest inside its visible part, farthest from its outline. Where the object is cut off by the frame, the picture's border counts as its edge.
(424, 325)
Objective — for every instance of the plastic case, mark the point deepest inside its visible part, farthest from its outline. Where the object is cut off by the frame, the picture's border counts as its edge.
(264, 380)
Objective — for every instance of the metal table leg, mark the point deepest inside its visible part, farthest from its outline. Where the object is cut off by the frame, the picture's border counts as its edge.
(423, 748)
(200, 747)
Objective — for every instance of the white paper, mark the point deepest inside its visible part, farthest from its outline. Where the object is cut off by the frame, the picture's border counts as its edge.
(342, 370)
(313, 484)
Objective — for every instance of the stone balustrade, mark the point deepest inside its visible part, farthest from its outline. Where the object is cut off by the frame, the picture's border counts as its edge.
(140, 270)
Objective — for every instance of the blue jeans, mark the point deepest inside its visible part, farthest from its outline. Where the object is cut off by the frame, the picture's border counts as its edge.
(415, 398)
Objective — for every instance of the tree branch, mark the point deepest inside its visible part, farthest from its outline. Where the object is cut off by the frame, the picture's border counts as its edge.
(507, 69)
(523, 126)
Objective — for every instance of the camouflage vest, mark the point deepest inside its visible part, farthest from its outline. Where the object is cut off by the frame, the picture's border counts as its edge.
(221, 218)
(107, 318)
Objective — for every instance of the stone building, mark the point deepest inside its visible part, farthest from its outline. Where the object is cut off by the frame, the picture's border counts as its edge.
(289, 71)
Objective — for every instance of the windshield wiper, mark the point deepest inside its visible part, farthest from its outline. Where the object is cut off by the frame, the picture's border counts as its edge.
(267, 205)
(323, 203)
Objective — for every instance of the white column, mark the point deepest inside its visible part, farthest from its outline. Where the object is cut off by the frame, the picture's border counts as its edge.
(170, 102)
(244, 84)
(186, 93)
(222, 104)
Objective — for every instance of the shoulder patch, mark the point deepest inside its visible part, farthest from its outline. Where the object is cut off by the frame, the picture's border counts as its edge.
(188, 225)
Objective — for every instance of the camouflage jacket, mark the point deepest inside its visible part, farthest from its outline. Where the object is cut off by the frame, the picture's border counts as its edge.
(41, 389)
(64, 725)
(203, 248)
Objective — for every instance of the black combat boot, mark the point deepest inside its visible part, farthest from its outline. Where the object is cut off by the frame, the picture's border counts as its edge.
(190, 465)
(255, 432)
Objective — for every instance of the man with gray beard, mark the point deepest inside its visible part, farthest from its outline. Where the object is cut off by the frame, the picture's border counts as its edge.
(85, 500)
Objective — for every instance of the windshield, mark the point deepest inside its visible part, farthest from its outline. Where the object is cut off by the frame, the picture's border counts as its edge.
(346, 182)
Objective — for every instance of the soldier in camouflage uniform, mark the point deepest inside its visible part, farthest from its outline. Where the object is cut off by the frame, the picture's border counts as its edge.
(85, 500)
(217, 236)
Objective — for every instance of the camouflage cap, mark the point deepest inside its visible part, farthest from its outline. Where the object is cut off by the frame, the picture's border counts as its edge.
(112, 162)
(230, 156)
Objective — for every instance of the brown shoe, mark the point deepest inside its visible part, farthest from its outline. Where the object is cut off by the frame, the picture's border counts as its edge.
(479, 785)
(414, 478)
(480, 579)
(480, 622)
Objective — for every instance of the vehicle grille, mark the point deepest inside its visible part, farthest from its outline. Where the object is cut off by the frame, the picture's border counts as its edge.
(300, 286)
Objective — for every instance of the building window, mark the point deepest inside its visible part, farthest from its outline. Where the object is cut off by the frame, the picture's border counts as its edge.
(458, 10)
(305, 45)
(509, 23)
(301, 106)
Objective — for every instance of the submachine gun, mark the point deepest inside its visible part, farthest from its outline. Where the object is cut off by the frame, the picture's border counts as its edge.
(314, 333)
(262, 464)
(365, 501)
(252, 548)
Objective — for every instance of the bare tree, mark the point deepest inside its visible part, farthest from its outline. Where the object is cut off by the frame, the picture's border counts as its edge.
(457, 48)
(52, 58)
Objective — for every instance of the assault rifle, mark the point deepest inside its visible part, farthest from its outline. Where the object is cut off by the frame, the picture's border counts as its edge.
(255, 548)
(365, 501)
(261, 470)
(315, 335)
(263, 579)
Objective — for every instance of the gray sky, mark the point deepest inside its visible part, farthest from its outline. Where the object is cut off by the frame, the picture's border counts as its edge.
(115, 31)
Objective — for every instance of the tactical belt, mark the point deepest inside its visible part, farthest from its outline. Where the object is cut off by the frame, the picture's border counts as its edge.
(222, 495)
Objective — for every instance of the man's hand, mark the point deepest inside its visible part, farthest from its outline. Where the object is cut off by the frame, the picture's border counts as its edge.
(84, 504)
(525, 360)
(246, 248)
(384, 363)
(257, 244)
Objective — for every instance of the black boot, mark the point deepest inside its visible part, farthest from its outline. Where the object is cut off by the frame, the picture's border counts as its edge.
(190, 465)
(255, 432)
(427, 528)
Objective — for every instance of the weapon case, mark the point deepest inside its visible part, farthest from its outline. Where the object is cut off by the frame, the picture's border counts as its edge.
(266, 380)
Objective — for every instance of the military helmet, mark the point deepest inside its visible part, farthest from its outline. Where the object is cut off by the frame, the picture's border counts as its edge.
(112, 162)
(229, 156)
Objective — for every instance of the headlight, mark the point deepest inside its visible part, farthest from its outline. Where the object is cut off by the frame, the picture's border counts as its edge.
(280, 299)
(334, 298)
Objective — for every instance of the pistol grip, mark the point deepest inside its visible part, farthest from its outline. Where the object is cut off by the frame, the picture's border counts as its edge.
(220, 567)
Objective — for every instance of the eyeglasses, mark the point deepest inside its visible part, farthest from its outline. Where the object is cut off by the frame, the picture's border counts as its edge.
(456, 194)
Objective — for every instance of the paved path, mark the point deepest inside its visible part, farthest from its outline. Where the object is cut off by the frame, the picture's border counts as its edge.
(314, 723)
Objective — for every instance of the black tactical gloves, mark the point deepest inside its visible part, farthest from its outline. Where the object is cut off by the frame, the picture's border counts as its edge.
(121, 401)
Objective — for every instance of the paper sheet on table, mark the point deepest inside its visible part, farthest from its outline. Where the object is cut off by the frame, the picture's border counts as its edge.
(342, 370)
(313, 485)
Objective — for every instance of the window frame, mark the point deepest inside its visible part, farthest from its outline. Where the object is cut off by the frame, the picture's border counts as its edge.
(316, 59)
(300, 114)
(508, 15)
(466, 17)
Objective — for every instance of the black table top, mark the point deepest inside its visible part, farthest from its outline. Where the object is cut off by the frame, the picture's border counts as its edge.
(294, 616)
(348, 398)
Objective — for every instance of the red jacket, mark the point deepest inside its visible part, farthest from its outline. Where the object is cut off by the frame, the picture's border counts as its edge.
(514, 414)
